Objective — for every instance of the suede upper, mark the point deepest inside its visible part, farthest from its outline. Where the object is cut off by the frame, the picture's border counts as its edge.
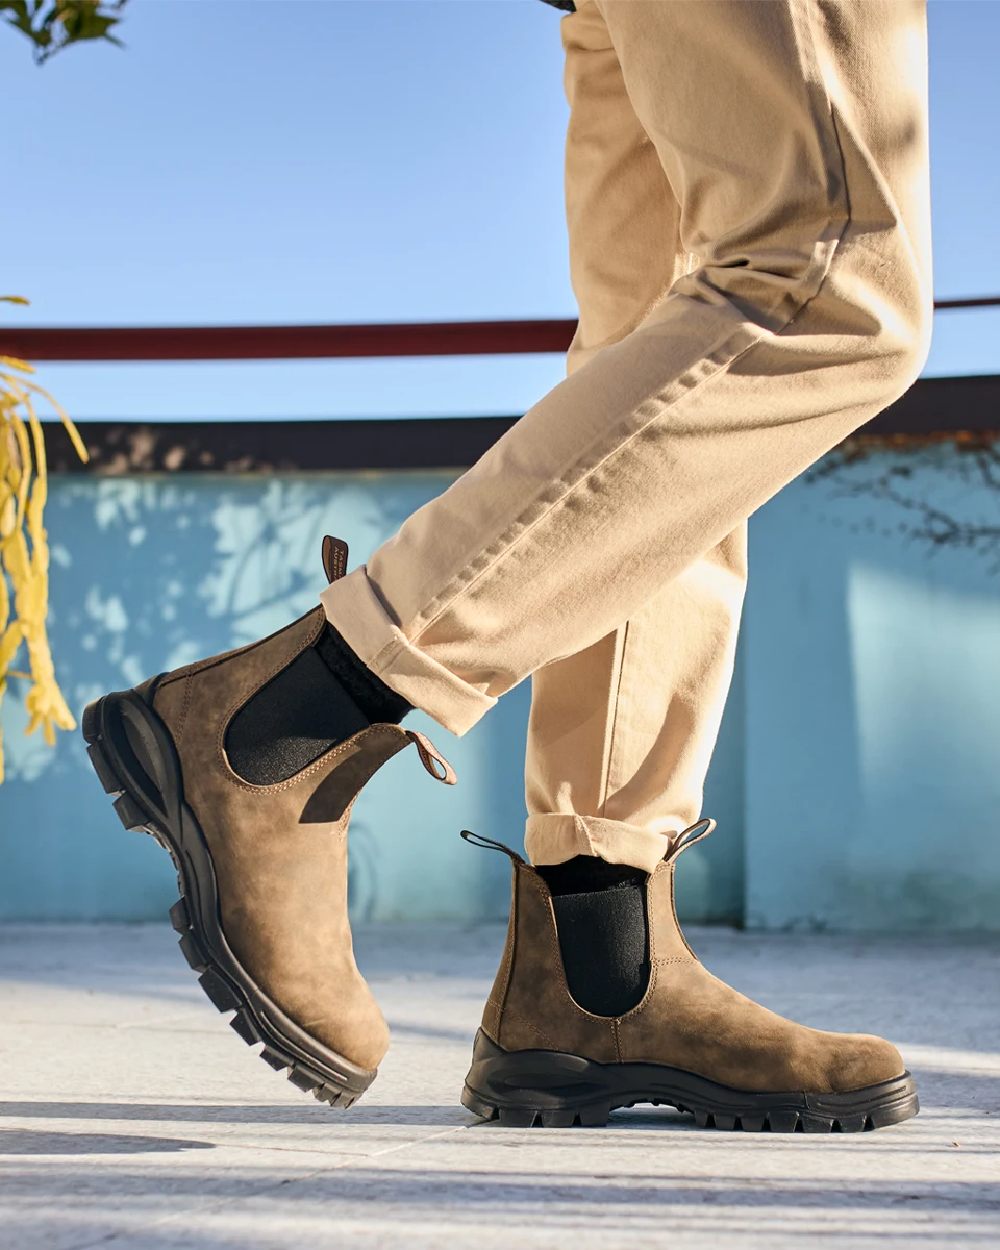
(280, 851)
(688, 1018)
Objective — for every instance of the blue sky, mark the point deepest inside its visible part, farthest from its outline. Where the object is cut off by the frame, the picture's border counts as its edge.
(364, 160)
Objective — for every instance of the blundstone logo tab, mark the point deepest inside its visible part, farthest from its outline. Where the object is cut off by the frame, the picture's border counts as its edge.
(334, 557)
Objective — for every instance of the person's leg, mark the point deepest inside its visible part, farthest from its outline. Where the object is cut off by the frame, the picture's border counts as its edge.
(793, 134)
(599, 1002)
(620, 734)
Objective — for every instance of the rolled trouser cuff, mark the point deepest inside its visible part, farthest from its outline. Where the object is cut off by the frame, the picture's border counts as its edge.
(355, 610)
(552, 837)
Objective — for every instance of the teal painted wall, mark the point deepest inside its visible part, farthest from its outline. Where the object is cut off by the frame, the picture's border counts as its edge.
(855, 781)
(149, 573)
(873, 696)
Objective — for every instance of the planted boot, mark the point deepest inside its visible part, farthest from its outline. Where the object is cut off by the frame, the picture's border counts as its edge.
(675, 1034)
(245, 766)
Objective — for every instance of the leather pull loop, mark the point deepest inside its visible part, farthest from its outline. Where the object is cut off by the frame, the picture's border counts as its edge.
(431, 757)
(689, 836)
(477, 839)
(334, 557)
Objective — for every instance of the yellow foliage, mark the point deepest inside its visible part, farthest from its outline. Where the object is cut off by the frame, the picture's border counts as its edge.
(24, 552)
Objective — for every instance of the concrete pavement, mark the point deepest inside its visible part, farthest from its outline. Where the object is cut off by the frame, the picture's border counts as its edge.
(132, 1117)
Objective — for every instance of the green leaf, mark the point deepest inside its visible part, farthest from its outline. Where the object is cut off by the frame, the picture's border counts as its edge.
(52, 25)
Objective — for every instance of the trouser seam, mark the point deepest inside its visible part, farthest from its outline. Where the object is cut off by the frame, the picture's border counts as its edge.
(612, 736)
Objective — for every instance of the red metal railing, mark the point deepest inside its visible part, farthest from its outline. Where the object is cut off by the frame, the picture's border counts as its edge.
(290, 342)
(443, 338)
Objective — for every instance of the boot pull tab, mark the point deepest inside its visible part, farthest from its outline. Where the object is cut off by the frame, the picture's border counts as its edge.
(689, 836)
(334, 557)
(431, 757)
(477, 839)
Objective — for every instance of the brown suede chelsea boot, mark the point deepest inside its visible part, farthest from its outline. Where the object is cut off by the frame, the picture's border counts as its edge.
(690, 1041)
(262, 868)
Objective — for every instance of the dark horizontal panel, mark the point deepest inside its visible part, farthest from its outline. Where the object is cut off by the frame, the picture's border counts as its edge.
(118, 447)
(933, 406)
(942, 406)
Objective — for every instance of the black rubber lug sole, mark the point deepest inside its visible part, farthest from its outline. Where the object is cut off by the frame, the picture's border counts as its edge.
(148, 799)
(549, 1089)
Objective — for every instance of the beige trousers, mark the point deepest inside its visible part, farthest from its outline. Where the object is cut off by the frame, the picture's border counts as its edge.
(747, 190)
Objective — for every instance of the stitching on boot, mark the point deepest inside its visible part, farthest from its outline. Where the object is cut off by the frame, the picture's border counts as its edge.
(323, 762)
(201, 666)
(505, 968)
(654, 960)
(517, 1019)
(507, 963)
(491, 1002)
(673, 909)
(555, 954)
(185, 706)
(657, 962)
(552, 942)
(308, 641)
(644, 1002)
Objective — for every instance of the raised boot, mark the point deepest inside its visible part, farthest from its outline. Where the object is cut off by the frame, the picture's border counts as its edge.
(687, 1040)
(252, 799)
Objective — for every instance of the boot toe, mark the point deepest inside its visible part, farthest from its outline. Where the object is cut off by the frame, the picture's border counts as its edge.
(860, 1060)
(359, 1034)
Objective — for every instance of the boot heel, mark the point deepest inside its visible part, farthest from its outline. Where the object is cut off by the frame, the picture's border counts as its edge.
(135, 761)
(524, 1088)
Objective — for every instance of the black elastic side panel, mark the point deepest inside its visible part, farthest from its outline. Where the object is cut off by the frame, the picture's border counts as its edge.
(291, 721)
(600, 911)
